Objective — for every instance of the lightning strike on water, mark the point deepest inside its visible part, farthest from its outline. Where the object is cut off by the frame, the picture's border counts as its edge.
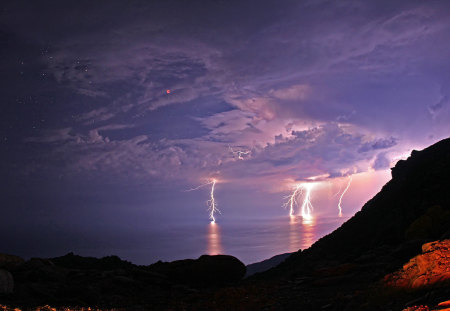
(239, 153)
(211, 203)
(292, 200)
(306, 207)
(342, 195)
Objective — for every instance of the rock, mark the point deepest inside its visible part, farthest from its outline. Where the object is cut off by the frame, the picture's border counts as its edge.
(9, 262)
(430, 268)
(6, 282)
(339, 270)
(445, 304)
(39, 270)
(73, 261)
(221, 268)
(37, 263)
(432, 224)
(204, 271)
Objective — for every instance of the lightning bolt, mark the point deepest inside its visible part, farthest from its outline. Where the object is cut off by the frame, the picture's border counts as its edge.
(201, 186)
(292, 200)
(306, 207)
(239, 153)
(211, 203)
(342, 195)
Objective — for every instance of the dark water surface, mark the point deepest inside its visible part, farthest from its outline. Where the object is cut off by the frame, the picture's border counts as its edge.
(249, 240)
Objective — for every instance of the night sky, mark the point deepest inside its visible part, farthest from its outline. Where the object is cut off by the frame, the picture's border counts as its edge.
(111, 110)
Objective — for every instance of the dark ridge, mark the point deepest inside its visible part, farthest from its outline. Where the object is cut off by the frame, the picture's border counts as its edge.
(72, 261)
(265, 265)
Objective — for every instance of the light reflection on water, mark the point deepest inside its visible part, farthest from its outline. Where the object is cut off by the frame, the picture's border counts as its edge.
(259, 240)
(214, 244)
(250, 240)
(302, 232)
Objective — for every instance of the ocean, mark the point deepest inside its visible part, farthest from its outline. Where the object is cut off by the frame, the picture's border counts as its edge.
(250, 240)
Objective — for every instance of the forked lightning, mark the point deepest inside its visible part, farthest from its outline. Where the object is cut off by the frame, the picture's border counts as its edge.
(211, 203)
(306, 208)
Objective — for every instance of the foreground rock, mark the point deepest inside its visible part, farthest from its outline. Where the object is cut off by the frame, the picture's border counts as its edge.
(428, 269)
(442, 306)
(205, 271)
(6, 282)
(110, 282)
(9, 262)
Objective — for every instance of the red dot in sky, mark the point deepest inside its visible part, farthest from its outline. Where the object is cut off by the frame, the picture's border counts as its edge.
(168, 91)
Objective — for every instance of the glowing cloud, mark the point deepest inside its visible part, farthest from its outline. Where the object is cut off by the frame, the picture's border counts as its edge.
(239, 153)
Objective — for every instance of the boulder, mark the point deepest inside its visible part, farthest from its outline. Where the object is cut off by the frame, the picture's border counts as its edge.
(9, 262)
(39, 270)
(430, 268)
(220, 268)
(205, 271)
(6, 282)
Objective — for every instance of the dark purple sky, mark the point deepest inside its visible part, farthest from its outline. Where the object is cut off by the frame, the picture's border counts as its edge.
(90, 140)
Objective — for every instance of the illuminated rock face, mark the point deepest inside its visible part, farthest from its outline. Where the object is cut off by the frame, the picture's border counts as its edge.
(427, 269)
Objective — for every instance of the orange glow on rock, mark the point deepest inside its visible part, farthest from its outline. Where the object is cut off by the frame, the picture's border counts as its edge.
(429, 268)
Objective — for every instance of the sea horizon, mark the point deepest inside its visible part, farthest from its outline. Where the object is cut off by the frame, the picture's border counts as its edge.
(248, 239)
